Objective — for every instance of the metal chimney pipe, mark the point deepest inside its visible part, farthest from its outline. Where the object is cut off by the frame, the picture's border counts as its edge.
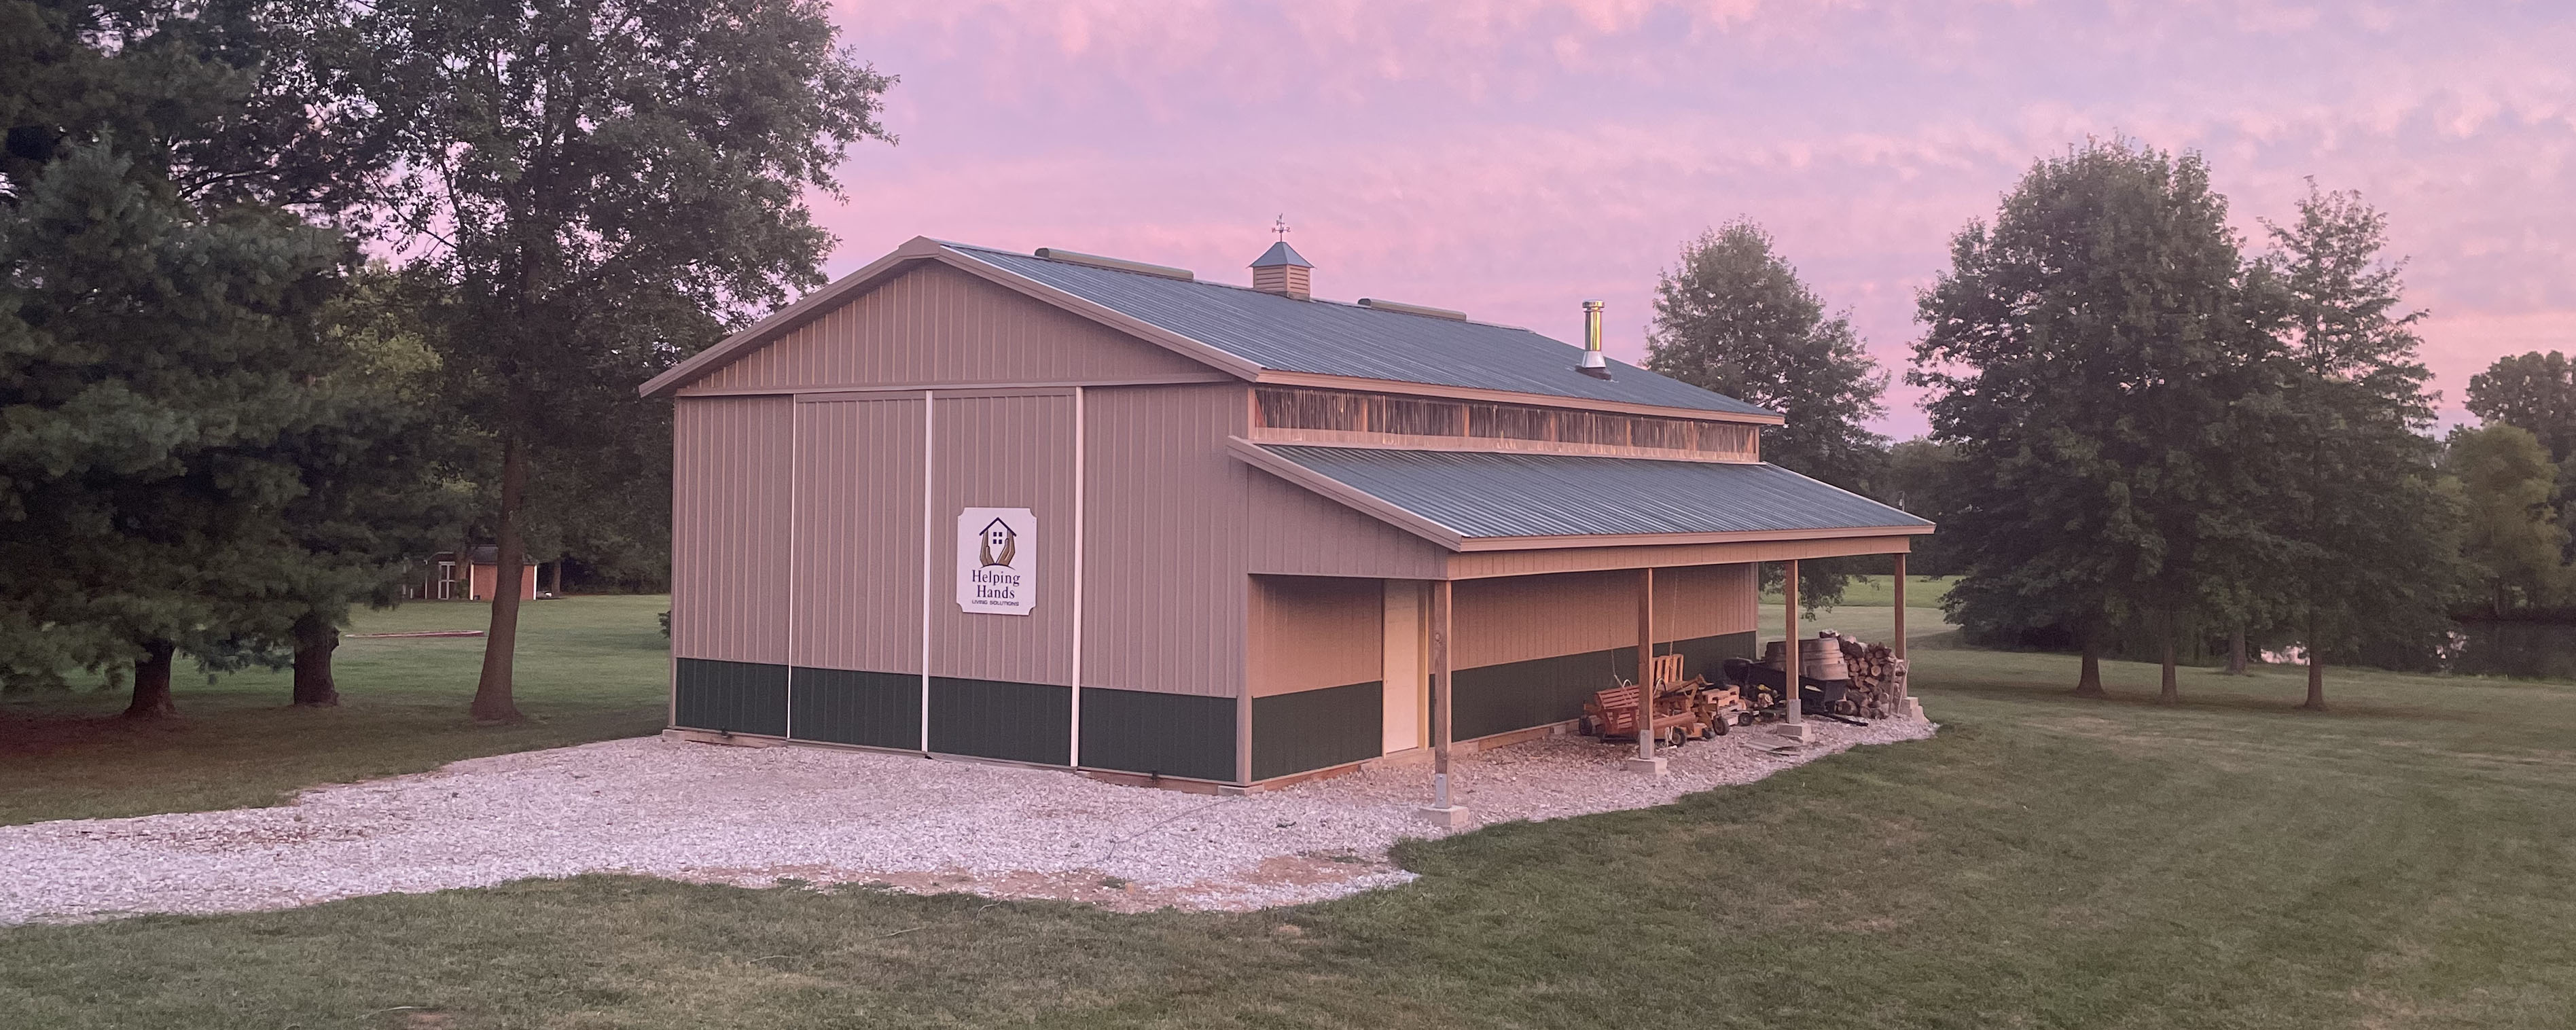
(1594, 364)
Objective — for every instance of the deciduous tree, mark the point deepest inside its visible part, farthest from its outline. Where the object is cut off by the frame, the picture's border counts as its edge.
(2086, 353)
(2535, 391)
(1924, 476)
(2369, 534)
(1732, 316)
(601, 186)
(2509, 535)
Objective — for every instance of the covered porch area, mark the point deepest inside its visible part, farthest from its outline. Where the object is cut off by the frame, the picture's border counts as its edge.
(1670, 655)
(1554, 578)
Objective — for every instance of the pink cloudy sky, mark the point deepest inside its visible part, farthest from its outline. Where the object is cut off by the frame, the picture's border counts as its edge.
(1512, 157)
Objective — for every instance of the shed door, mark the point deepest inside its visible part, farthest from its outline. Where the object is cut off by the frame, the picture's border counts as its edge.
(858, 549)
(1406, 679)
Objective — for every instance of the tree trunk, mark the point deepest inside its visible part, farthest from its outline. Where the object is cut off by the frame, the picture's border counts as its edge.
(2316, 683)
(556, 588)
(2088, 683)
(2236, 652)
(152, 683)
(2169, 690)
(315, 639)
(492, 701)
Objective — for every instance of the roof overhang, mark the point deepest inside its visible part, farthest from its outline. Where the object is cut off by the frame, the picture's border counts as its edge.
(1396, 513)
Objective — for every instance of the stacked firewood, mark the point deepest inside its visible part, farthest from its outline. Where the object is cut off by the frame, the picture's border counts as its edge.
(1877, 681)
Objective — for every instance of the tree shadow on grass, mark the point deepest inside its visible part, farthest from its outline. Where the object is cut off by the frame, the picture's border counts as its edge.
(2132, 699)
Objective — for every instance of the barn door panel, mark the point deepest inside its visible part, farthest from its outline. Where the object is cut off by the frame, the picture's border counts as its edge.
(856, 592)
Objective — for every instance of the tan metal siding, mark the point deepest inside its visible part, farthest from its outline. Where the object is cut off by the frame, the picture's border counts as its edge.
(1164, 601)
(729, 514)
(1518, 619)
(1311, 632)
(1292, 531)
(1003, 452)
(1703, 601)
(859, 548)
(935, 325)
(1527, 617)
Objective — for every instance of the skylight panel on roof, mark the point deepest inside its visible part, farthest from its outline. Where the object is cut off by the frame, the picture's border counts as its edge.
(1375, 304)
(1075, 257)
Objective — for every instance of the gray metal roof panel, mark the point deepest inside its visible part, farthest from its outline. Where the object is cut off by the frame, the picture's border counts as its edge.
(1332, 338)
(1483, 494)
(1281, 253)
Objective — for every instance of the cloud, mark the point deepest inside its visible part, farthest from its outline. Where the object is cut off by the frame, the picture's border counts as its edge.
(1511, 157)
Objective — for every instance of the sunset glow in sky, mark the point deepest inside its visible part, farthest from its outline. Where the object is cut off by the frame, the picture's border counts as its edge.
(1512, 157)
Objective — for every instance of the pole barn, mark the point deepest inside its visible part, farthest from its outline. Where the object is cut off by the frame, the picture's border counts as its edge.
(1074, 511)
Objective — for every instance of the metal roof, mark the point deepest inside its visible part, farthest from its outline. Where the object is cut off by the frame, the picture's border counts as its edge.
(1478, 494)
(1331, 338)
(1280, 253)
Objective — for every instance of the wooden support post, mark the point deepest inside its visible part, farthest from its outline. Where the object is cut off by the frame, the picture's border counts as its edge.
(1442, 811)
(1793, 661)
(1646, 762)
(1899, 644)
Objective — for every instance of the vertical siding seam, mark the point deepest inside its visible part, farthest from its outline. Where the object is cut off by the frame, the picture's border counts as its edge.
(671, 661)
(929, 545)
(795, 477)
(1241, 585)
(1073, 677)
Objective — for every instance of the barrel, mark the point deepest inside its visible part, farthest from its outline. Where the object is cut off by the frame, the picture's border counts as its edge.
(1823, 657)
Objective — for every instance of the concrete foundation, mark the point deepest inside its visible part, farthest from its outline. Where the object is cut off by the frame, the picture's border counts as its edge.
(1452, 817)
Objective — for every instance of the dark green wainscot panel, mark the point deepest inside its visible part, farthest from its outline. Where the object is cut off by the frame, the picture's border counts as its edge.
(843, 706)
(1138, 731)
(1021, 722)
(1313, 729)
(1703, 656)
(732, 697)
(1495, 699)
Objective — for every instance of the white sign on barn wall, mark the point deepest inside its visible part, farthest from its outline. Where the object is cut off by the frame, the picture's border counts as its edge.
(997, 561)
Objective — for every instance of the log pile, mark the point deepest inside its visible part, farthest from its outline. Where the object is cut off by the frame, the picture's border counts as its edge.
(1877, 680)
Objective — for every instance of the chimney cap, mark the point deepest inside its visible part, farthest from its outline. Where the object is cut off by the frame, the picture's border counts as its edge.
(1279, 255)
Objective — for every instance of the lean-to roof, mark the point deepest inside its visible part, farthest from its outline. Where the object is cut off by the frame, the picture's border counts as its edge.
(1471, 500)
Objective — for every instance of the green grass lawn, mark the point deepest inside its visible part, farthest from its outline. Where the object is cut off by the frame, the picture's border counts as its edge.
(2408, 860)
(1880, 592)
(589, 668)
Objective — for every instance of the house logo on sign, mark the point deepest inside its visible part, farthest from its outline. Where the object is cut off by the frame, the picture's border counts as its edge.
(1001, 543)
(997, 561)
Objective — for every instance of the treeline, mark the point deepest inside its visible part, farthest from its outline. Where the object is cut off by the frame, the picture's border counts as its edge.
(2147, 430)
(2518, 473)
(294, 292)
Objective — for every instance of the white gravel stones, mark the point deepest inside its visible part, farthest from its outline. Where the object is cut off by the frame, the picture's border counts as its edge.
(755, 816)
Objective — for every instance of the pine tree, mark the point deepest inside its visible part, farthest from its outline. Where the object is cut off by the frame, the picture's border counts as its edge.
(163, 383)
(1732, 316)
(149, 358)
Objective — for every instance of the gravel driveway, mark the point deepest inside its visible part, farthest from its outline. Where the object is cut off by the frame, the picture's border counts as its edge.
(754, 816)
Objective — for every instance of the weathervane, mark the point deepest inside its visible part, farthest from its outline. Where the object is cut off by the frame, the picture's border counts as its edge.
(1281, 227)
